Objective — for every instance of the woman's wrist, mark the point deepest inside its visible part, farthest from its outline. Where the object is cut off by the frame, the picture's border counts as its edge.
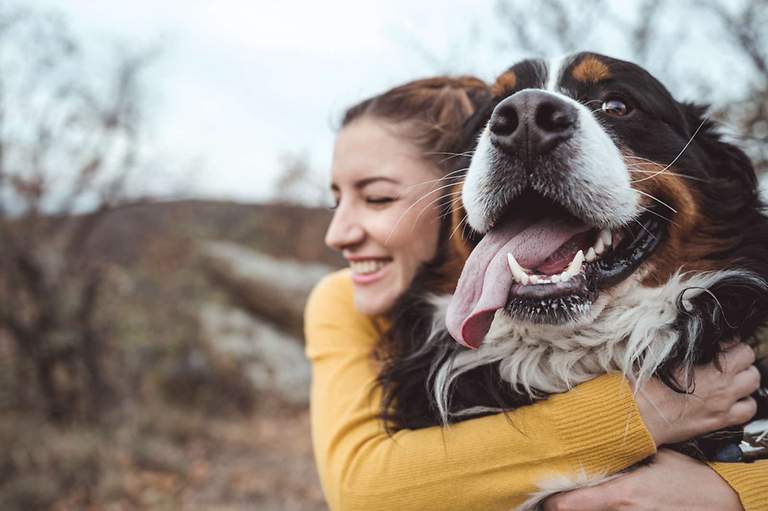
(657, 410)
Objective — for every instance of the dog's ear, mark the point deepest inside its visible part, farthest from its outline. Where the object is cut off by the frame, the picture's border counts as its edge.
(475, 124)
(724, 160)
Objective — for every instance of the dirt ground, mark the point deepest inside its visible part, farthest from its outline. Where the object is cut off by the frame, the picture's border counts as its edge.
(261, 462)
(265, 463)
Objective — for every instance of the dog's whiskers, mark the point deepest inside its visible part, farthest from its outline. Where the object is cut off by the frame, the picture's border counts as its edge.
(656, 173)
(449, 155)
(458, 226)
(644, 228)
(680, 154)
(657, 200)
(658, 215)
(405, 213)
(442, 197)
(447, 177)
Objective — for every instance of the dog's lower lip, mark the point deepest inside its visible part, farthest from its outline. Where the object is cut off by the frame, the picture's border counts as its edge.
(540, 291)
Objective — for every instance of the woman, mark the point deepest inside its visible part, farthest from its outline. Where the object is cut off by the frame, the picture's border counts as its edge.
(387, 178)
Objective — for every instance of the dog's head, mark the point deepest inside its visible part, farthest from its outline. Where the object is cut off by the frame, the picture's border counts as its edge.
(587, 180)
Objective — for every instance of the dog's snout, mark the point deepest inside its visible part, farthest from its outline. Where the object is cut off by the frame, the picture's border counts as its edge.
(532, 123)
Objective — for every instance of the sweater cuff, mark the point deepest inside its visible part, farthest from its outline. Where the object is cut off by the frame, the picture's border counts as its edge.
(748, 480)
(600, 423)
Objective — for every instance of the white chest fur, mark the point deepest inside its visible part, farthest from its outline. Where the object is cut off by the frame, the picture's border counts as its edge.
(633, 329)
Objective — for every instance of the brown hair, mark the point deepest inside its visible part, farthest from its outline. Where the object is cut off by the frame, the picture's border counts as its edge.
(431, 110)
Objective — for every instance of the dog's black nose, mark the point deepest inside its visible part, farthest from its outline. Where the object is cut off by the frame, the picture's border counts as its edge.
(531, 123)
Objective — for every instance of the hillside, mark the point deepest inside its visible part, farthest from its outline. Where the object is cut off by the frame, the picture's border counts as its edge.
(131, 233)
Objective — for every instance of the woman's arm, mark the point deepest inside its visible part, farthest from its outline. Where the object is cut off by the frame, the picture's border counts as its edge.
(677, 482)
(749, 480)
(487, 463)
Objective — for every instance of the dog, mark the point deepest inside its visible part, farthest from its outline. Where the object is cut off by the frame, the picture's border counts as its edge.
(603, 226)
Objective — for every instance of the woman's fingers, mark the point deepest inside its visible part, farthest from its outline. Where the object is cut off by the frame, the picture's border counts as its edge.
(736, 358)
(746, 382)
(742, 411)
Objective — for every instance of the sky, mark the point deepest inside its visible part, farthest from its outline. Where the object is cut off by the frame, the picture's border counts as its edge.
(238, 85)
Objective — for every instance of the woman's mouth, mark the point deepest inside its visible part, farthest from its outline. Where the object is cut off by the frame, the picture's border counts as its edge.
(366, 271)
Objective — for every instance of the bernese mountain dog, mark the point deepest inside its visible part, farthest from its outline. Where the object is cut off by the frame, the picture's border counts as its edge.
(602, 226)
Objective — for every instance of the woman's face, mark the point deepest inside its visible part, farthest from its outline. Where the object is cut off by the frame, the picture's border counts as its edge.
(386, 221)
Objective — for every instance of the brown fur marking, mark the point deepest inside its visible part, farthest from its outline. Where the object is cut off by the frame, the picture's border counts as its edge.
(691, 239)
(590, 69)
(504, 84)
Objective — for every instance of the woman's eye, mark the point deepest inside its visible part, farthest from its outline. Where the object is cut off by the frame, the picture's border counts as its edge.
(615, 107)
(379, 200)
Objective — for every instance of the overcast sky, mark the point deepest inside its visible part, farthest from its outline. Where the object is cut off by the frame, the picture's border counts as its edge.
(238, 84)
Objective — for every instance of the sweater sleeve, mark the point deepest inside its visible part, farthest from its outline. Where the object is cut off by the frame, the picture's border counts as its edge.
(749, 481)
(487, 463)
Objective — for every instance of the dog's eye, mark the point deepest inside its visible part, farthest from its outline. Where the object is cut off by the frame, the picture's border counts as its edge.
(615, 107)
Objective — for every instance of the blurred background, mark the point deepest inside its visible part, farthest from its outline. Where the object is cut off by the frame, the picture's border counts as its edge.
(163, 177)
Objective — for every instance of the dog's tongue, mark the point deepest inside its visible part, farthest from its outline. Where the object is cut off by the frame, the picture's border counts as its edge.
(486, 280)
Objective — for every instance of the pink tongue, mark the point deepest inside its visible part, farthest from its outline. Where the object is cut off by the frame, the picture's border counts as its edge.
(485, 281)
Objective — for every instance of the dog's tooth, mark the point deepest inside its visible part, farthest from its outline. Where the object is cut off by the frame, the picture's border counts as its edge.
(565, 276)
(533, 279)
(514, 267)
(514, 264)
(555, 279)
(591, 256)
(606, 237)
(599, 246)
(517, 271)
(575, 266)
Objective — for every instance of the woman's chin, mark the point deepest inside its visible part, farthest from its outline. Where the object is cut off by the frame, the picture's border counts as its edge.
(377, 297)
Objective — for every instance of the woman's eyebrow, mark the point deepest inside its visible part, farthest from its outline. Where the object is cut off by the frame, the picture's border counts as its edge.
(373, 179)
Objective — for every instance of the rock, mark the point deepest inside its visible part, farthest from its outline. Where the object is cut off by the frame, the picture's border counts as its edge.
(267, 288)
(274, 361)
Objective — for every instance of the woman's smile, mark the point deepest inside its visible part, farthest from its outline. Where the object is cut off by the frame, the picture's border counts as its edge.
(369, 270)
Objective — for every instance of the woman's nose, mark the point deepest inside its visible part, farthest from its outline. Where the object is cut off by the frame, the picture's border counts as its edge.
(344, 231)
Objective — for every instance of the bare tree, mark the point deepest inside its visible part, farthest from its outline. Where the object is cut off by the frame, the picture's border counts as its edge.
(710, 50)
(69, 143)
(297, 183)
(744, 30)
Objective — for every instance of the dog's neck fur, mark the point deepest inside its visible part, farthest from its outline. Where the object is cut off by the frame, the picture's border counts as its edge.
(634, 331)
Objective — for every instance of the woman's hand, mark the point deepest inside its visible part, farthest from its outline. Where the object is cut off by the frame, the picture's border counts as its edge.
(721, 399)
(673, 482)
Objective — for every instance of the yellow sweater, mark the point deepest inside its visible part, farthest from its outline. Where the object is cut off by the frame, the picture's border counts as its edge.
(487, 463)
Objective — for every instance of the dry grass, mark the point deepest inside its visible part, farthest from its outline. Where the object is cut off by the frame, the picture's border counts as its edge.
(159, 459)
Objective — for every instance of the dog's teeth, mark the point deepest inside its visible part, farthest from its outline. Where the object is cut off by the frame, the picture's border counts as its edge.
(555, 279)
(606, 237)
(533, 279)
(599, 246)
(575, 266)
(591, 256)
(517, 271)
(565, 276)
